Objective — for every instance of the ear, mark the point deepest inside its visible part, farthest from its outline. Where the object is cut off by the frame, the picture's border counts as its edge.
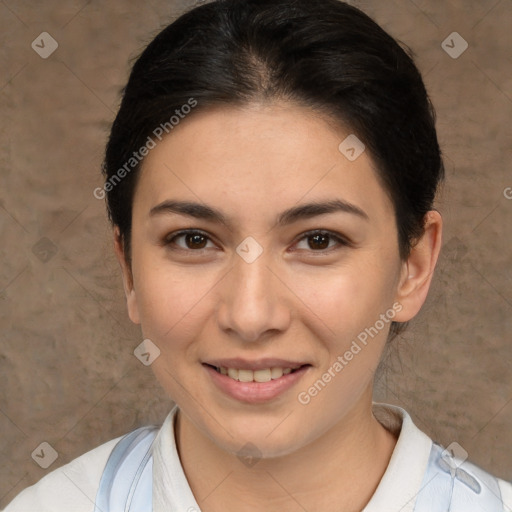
(418, 269)
(129, 290)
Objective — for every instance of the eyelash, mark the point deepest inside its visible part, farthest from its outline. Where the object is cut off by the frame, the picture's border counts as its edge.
(339, 239)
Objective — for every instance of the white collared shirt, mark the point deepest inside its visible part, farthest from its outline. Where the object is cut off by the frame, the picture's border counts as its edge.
(73, 487)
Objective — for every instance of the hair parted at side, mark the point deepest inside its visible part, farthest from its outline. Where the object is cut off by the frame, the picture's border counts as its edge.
(322, 54)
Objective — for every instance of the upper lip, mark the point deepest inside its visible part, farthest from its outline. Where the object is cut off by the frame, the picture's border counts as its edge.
(260, 364)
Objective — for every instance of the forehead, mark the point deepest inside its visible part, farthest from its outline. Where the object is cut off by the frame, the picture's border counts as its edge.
(263, 156)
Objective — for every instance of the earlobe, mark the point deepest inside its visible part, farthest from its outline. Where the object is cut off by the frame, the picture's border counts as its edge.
(418, 270)
(129, 290)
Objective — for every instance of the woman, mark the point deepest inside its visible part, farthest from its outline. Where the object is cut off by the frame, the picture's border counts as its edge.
(271, 177)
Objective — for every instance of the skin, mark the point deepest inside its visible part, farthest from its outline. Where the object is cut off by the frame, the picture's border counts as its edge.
(295, 301)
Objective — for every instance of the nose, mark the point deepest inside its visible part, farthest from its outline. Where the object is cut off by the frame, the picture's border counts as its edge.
(254, 303)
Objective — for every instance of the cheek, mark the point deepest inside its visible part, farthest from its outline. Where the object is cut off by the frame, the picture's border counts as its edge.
(170, 300)
(344, 315)
(348, 299)
(173, 310)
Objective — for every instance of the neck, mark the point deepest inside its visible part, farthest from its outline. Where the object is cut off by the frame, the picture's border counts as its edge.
(338, 471)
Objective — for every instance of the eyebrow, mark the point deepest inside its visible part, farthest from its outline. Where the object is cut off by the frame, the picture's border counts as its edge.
(294, 214)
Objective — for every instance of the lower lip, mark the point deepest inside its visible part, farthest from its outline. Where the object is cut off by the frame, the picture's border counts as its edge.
(255, 392)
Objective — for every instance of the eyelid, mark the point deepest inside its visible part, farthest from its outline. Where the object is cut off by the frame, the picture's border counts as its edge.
(168, 239)
(341, 240)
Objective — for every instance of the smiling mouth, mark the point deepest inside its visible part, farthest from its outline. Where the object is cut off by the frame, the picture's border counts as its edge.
(263, 375)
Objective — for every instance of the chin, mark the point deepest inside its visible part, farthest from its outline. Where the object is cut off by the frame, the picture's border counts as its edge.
(259, 441)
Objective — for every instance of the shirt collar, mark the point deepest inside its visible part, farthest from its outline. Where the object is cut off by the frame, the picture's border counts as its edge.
(396, 491)
(401, 482)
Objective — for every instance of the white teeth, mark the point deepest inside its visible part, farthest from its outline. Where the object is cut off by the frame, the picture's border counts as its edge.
(276, 372)
(264, 375)
(245, 375)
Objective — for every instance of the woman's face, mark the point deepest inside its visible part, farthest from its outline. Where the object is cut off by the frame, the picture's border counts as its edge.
(254, 289)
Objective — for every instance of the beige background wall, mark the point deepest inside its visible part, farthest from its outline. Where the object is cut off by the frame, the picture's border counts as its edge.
(68, 373)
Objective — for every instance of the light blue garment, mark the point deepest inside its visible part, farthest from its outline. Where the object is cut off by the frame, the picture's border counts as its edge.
(126, 484)
(453, 485)
(449, 485)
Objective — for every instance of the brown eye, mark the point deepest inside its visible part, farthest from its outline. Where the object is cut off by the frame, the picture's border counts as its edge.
(319, 241)
(195, 241)
(322, 241)
(190, 240)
